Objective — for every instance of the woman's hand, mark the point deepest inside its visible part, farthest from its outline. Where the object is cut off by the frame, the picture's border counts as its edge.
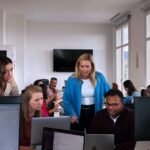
(74, 119)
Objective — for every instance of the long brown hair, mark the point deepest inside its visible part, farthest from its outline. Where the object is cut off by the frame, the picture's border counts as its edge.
(3, 62)
(92, 74)
(26, 97)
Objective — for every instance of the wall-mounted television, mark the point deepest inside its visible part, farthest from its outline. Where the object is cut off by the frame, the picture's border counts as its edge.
(3, 53)
(64, 60)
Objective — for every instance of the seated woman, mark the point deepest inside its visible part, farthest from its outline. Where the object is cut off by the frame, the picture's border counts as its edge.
(148, 91)
(45, 101)
(131, 92)
(8, 85)
(143, 92)
(55, 106)
(31, 107)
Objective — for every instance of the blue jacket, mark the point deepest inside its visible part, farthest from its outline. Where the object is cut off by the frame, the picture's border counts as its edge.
(72, 94)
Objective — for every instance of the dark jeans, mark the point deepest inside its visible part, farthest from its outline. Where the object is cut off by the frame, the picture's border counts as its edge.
(86, 117)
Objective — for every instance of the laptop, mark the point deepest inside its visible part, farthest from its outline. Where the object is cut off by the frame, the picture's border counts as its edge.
(58, 139)
(62, 122)
(99, 142)
(142, 145)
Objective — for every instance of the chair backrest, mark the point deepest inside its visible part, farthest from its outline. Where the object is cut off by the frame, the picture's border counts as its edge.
(131, 106)
(45, 81)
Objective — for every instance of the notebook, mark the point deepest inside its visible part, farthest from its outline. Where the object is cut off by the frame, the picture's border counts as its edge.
(58, 139)
(38, 124)
(99, 142)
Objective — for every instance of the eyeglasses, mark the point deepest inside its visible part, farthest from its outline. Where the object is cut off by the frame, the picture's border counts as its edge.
(113, 104)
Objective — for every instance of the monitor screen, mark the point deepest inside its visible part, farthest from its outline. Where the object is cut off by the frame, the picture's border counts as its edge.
(142, 118)
(64, 60)
(62, 122)
(9, 122)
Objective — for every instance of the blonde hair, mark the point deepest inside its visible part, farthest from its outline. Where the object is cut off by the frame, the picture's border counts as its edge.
(89, 58)
(27, 95)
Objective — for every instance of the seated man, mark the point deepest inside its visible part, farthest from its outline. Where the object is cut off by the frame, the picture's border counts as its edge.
(52, 91)
(115, 119)
(54, 106)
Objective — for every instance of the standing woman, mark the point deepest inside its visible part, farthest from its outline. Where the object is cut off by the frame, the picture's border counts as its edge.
(84, 93)
(8, 86)
(31, 107)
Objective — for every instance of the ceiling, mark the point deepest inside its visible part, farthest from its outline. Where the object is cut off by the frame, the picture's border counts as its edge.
(68, 11)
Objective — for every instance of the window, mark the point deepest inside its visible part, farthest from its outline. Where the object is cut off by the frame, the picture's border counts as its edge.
(122, 54)
(148, 48)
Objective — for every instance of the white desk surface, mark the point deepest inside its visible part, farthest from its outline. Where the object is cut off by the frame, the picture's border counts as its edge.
(142, 145)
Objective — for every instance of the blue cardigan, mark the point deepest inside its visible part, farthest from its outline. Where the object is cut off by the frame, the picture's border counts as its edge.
(72, 94)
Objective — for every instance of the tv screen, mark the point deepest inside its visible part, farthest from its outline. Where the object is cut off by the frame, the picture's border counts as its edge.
(3, 53)
(64, 60)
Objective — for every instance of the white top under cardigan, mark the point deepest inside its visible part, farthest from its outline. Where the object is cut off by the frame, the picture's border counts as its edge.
(87, 92)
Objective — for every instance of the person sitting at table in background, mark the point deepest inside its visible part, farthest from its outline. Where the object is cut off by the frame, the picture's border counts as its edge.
(84, 93)
(131, 92)
(148, 91)
(49, 107)
(8, 86)
(55, 108)
(46, 100)
(115, 86)
(52, 91)
(32, 101)
(143, 92)
(115, 119)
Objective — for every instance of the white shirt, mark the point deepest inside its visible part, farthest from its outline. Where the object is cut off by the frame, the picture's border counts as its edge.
(87, 92)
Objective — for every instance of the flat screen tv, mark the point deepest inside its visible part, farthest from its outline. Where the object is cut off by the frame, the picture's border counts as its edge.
(64, 60)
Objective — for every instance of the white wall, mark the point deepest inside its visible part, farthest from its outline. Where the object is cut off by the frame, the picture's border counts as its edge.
(34, 42)
(138, 74)
(16, 36)
(43, 37)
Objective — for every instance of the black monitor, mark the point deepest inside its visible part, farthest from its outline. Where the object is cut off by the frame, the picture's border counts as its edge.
(3, 53)
(10, 107)
(142, 118)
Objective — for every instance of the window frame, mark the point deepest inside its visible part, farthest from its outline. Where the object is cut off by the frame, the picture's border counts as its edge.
(146, 43)
(121, 47)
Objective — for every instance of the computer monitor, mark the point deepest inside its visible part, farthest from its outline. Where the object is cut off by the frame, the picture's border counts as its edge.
(142, 118)
(62, 122)
(10, 107)
(58, 139)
